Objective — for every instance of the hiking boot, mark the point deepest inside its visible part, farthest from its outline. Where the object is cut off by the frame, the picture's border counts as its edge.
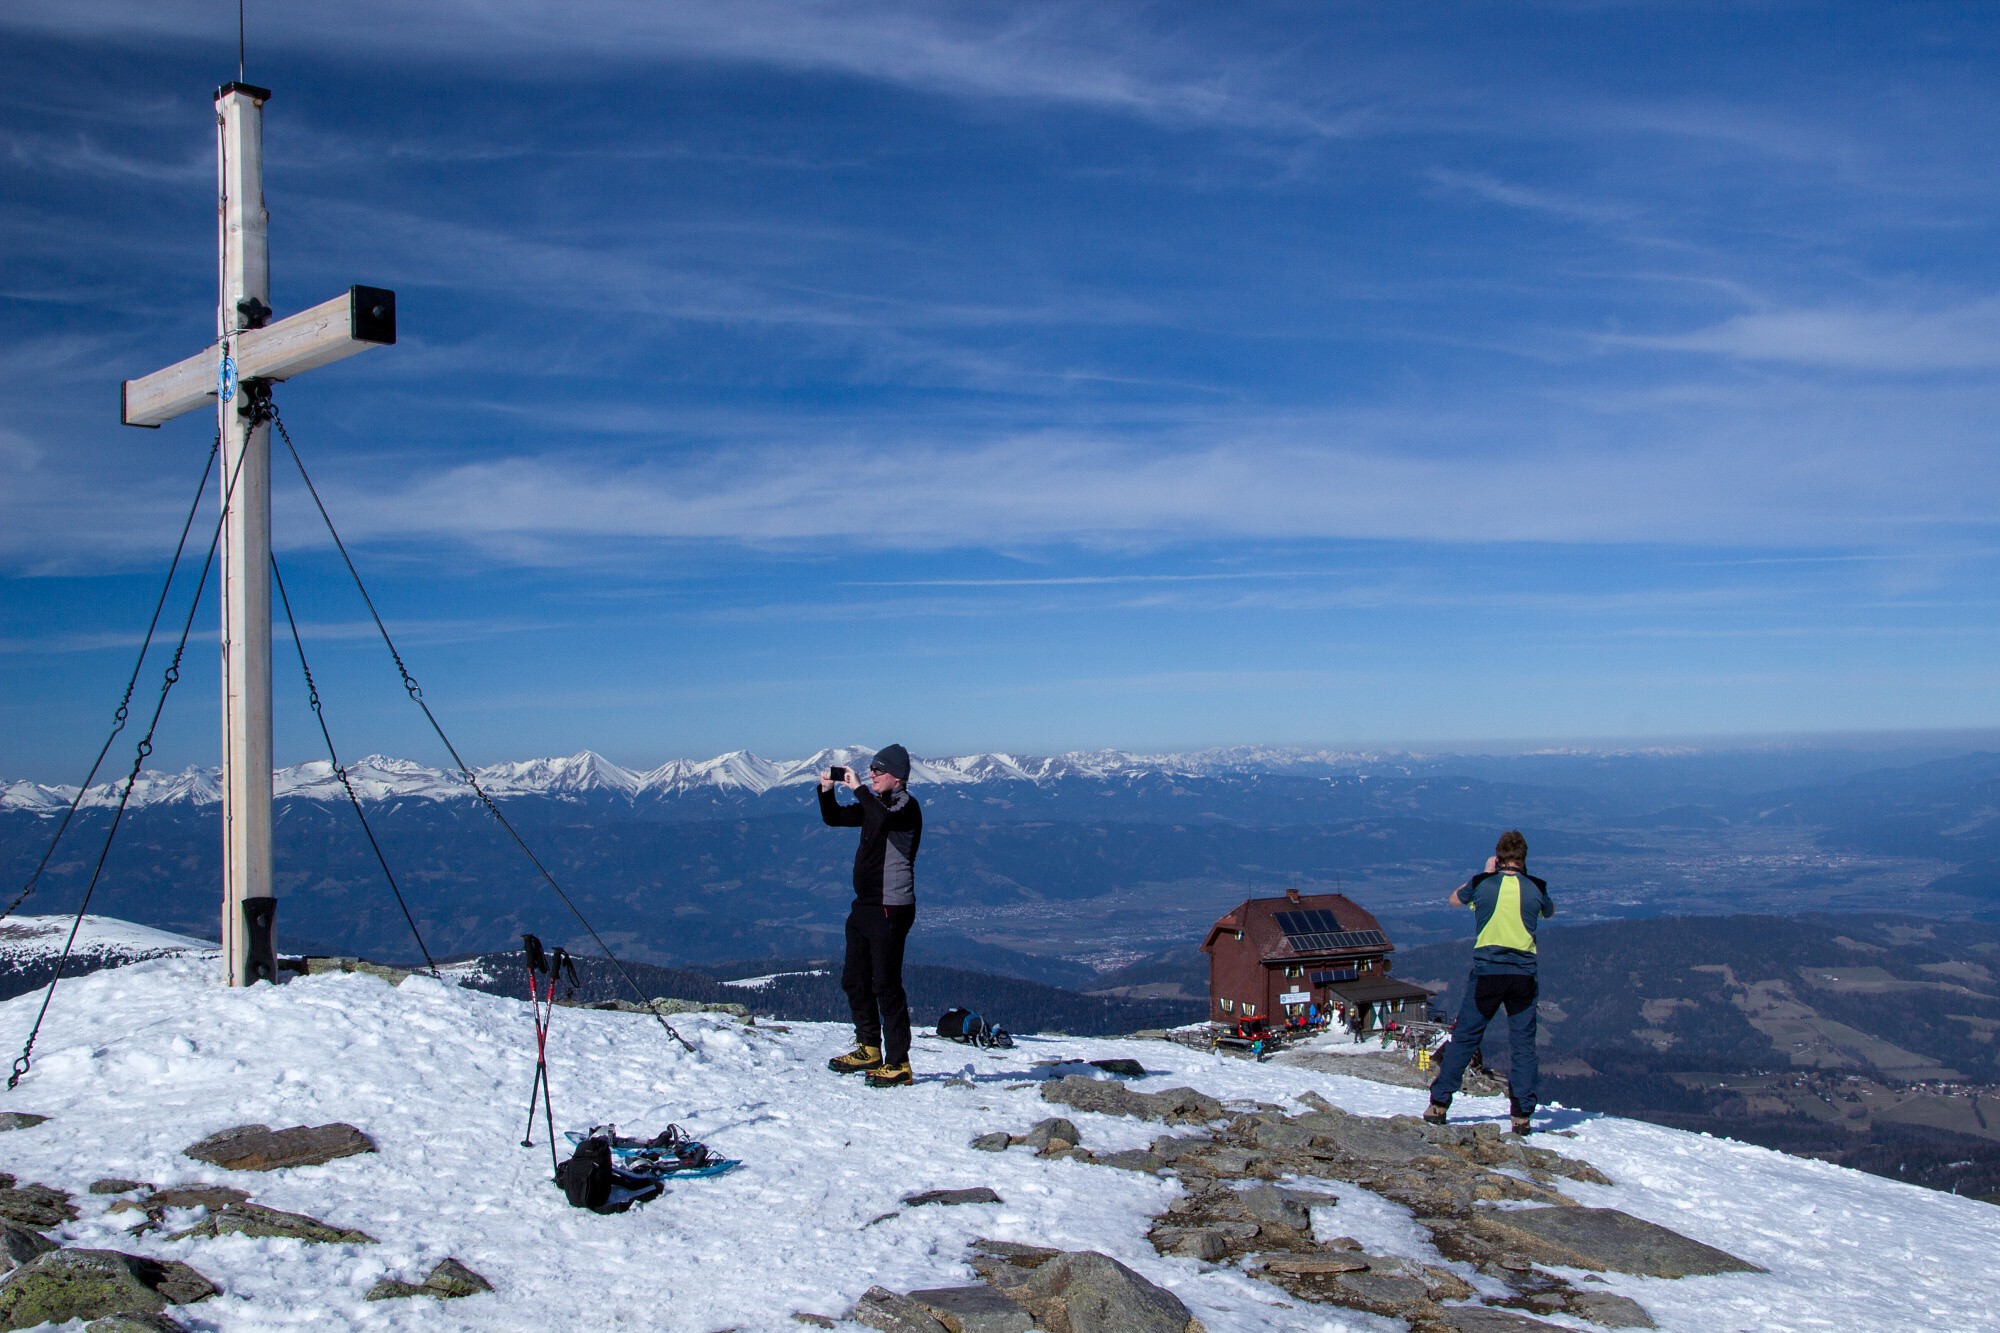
(1521, 1123)
(891, 1076)
(1434, 1114)
(861, 1059)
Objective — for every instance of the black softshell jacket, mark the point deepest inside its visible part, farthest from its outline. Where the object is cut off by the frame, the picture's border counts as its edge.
(885, 864)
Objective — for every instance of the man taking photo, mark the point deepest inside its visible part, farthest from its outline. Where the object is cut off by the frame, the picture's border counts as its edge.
(1508, 904)
(885, 907)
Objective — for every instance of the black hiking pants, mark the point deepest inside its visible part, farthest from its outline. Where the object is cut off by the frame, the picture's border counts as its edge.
(873, 977)
(1485, 995)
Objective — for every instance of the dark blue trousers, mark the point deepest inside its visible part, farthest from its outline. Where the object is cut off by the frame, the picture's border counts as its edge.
(1485, 995)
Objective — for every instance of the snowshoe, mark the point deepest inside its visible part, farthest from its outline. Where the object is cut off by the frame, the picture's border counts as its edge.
(670, 1153)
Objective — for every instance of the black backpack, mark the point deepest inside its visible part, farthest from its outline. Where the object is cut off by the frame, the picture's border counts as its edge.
(590, 1180)
(962, 1025)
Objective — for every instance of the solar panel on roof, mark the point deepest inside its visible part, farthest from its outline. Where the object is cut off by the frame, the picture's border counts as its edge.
(1316, 930)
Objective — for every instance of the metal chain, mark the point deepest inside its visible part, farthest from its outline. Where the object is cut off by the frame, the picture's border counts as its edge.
(144, 750)
(118, 718)
(465, 770)
(340, 770)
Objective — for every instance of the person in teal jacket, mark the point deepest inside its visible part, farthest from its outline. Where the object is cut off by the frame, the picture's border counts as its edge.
(1508, 905)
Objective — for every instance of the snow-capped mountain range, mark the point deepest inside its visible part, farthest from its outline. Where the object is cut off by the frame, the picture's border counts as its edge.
(378, 778)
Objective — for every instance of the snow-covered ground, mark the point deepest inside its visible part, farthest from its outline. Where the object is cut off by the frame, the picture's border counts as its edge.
(31, 938)
(760, 983)
(135, 1063)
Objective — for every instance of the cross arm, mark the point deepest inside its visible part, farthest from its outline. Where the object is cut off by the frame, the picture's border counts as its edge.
(331, 331)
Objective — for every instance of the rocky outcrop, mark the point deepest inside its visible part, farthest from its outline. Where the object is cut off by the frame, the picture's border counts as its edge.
(261, 1148)
(891, 1312)
(973, 1309)
(450, 1280)
(975, 1194)
(1174, 1105)
(250, 1219)
(1603, 1240)
(1049, 1138)
(20, 1120)
(92, 1284)
(1448, 1175)
(1088, 1292)
(18, 1246)
(667, 1006)
(37, 1207)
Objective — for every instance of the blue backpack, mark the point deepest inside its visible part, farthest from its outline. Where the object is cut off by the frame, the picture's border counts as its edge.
(962, 1025)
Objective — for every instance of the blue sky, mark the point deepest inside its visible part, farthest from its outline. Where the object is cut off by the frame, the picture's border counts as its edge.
(1035, 377)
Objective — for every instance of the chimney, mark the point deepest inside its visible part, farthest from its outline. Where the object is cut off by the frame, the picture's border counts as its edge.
(1291, 895)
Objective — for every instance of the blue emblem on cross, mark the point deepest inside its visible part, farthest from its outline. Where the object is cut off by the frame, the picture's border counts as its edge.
(226, 387)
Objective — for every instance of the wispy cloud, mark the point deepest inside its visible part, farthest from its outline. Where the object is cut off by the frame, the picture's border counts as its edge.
(1962, 337)
(1512, 195)
(1104, 55)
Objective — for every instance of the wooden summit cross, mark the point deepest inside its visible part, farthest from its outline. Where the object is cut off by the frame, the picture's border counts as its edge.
(249, 354)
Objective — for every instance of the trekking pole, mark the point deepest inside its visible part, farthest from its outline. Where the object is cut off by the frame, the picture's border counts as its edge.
(559, 961)
(538, 1089)
(537, 962)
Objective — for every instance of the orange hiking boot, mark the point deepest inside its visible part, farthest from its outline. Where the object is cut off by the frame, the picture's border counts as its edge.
(891, 1076)
(862, 1059)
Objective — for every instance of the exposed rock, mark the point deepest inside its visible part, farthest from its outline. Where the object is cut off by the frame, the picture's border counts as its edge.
(976, 1194)
(1381, 1293)
(816, 1320)
(192, 1196)
(250, 1219)
(1127, 1159)
(314, 967)
(91, 1284)
(20, 1120)
(36, 1206)
(668, 1006)
(453, 1279)
(998, 1141)
(450, 1279)
(261, 1148)
(1204, 1243)
(117, 1185)
(1053, 1135)
(882, 1309)
(1603, 1239)
(1123, 1067)
(1310, 1263)
(134, 1322)
(1087, 1292)
(1006, 1263)
(1485, 1319)
(1609, 1310)
(974, 1309)
(1271, 1205)
(1174, 1105)
(18, 1246)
